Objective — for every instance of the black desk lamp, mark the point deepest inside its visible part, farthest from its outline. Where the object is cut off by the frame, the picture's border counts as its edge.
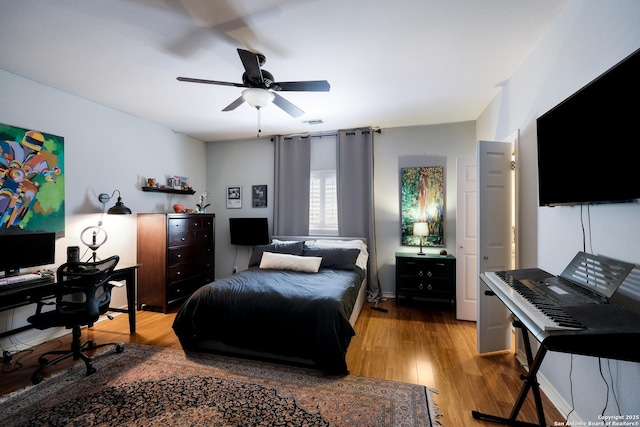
(118, 209)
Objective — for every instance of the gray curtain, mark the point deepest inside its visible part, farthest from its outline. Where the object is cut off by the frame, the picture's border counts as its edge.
(292, 180)
(355, 191)
(355, 195)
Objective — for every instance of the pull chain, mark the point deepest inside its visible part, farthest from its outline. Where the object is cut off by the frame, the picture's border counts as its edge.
(259, 123)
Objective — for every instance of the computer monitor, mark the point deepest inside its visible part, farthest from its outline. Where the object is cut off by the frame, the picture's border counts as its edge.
(26, 250)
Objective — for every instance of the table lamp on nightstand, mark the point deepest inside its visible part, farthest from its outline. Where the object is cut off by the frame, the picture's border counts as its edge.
(420, 229)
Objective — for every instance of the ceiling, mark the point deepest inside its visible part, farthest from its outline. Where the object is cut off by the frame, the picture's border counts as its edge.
(389, 63)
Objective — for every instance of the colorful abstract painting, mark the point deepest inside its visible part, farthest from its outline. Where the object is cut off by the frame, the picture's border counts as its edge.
(423, 201)
(31, 181)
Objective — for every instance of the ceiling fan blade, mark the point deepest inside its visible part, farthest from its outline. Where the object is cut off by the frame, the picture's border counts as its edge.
(235, 104)
(305, 86)
(287, 106)
(251, 63)
(211, 82)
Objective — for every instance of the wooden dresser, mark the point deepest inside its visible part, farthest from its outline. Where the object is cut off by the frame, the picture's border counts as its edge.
(176, 253)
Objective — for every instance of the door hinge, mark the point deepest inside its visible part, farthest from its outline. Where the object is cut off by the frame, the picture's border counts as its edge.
(513, 165)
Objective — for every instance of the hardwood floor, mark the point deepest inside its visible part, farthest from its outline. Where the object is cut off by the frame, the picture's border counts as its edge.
(411, 343)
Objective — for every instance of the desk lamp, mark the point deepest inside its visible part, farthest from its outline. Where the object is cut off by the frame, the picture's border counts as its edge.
(420, 229)
(118, 209)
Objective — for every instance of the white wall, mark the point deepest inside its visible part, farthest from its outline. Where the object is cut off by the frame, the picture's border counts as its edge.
(104, 150)
(588, 38)
(393, 145)
(245, 163)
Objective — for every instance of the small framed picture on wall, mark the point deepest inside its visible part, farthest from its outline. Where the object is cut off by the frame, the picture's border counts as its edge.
(259, 196)
(234, 197)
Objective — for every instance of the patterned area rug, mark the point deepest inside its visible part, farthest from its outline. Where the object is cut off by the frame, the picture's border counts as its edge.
(151, 386)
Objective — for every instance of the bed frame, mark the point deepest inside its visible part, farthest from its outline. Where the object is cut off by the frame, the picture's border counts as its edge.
(222, 348)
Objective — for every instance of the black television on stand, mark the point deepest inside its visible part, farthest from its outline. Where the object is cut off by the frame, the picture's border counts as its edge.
(26, 250)
(586, 143)
(249, 231)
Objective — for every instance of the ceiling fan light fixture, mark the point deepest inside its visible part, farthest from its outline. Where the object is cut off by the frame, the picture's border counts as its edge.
(258, 98)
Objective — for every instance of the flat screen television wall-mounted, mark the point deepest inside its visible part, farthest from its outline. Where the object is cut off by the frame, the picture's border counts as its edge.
(585, 143)
(26, 250)
(249, 231)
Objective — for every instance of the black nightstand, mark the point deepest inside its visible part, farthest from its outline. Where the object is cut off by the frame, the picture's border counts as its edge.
(429, 276)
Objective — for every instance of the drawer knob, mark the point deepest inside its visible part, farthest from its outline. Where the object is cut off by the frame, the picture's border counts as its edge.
(420, 286)
(182, 238)
(429, 274)
(178, 273)
(429, 287)
(179, 255)
(420, 273)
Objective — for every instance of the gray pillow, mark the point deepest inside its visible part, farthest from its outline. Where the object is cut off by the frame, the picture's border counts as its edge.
(335, 258)
(279, 248)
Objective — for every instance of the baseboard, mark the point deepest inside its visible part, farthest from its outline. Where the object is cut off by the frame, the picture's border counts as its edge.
(558, 401)
(552, 393)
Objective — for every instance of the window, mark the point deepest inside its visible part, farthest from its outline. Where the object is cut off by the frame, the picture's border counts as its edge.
(323, 202)
(323, 189)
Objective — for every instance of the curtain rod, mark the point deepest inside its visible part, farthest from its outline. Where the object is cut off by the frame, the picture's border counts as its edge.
(330, 133)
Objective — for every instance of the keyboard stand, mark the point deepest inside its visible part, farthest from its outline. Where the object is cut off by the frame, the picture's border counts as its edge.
(530, 383)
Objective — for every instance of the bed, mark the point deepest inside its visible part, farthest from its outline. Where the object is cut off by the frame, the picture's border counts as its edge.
(296, 303)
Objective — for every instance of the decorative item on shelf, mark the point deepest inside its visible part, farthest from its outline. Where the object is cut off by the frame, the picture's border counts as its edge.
(201, 207)
(151, 182)
(178, 208)
(420, 229)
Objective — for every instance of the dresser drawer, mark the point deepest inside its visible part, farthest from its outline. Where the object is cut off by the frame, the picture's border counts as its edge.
(190, 237)
(425, 286)
(182, 254)
(189, 269)
(430, 269)
(184, 288)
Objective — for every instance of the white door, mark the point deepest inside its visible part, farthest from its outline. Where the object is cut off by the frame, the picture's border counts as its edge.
(466, 239)
(495, 180)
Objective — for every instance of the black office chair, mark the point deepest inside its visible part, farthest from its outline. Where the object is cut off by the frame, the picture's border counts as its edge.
(83, 294)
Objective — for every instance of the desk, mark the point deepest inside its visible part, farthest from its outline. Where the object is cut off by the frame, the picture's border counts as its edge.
(32, 293)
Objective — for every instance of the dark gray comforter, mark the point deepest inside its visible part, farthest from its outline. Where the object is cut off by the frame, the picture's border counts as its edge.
(304, 315)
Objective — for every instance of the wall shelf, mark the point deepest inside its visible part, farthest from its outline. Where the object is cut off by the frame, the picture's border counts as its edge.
(167, 190)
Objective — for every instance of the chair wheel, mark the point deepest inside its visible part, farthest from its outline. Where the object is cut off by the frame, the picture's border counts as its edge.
(90, 345)
(119, 348)
(43, 361)
(36, 379)
(91, 371)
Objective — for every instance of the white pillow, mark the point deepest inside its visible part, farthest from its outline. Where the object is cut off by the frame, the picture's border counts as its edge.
(284, 241)
(363, 257)
(273, 261)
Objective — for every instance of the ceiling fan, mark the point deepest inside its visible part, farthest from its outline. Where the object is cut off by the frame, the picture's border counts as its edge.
(262, 88)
